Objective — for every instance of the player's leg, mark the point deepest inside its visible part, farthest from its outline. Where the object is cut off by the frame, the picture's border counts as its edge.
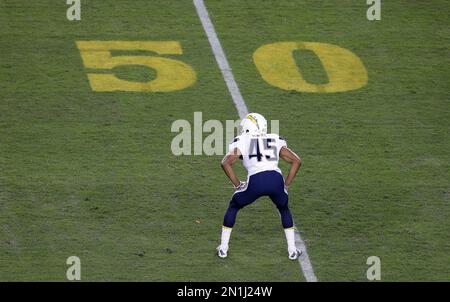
(230, 215)
(238, 201)
(228, 222)
(281, 199)
(288, 224)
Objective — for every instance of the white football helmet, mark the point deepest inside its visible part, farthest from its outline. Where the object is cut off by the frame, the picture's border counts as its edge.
(253, 123)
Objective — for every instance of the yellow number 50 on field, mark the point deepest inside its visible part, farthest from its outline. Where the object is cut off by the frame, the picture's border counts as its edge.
(171, 74)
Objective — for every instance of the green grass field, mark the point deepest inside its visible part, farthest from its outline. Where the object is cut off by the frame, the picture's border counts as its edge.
(92, 174)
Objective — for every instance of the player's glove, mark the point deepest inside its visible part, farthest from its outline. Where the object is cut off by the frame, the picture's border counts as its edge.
(241, 185)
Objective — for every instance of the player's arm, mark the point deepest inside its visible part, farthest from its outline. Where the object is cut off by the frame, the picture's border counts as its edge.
(227, 162)
(295, 161)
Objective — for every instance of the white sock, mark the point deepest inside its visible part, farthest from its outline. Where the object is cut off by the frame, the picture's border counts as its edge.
(226, 233)
(290, 238)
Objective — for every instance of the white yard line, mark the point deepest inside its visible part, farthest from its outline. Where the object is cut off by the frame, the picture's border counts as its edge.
(238, 100)
(305, 263)
(221, 59)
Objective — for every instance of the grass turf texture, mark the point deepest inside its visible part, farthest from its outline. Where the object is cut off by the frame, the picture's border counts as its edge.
(91, 174)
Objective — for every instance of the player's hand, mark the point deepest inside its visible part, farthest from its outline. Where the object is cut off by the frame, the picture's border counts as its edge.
(286, 188)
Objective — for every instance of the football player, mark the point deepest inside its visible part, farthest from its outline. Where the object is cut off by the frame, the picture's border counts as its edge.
(259, 152)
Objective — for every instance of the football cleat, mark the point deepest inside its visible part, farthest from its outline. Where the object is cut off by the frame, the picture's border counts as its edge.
(294, 254)
(222, 253)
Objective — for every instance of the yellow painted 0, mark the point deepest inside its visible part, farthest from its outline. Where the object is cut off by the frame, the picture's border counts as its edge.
(172, 74)
(278, 68)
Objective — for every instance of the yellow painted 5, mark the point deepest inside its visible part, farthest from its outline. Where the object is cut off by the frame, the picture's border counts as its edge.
(278, 68)
(171, 74)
